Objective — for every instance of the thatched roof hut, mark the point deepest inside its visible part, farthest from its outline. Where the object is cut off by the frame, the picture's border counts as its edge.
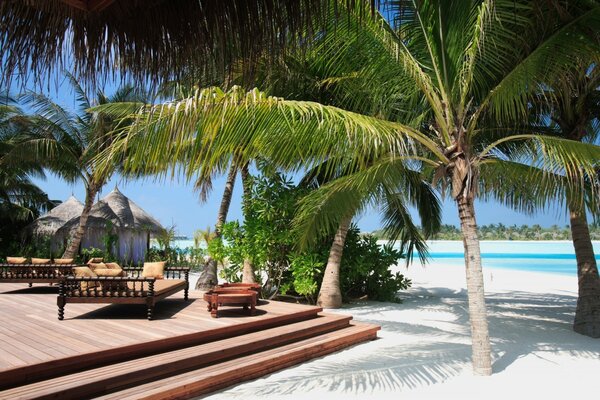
(117, 215)
(147, 38)
(52, 221)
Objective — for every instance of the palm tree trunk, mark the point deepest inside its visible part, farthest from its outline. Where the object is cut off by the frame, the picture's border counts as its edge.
(248, 269)
(73, 246)
(482, 364)
(587, 315)
(330, 295)
(208, 278)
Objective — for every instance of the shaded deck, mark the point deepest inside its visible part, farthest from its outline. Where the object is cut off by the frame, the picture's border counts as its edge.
(38, 351)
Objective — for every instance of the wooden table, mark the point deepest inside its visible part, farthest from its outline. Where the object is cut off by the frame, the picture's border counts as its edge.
(245, 298)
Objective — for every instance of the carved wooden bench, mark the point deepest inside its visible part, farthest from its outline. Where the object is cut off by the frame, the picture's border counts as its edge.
(129, 289)
(218, 297)
(35, 273)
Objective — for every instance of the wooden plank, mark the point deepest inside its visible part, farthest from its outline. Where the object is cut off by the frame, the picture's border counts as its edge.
(226, 374)
(116, 376)
(94, 333)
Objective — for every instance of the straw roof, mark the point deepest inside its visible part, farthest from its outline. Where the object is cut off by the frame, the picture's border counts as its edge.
(56, 218)
(155, 39)
(118, 210)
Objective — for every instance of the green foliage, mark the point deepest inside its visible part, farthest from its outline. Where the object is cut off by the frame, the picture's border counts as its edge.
(189, 256)
(165, 237)
(91, 252)
(365, 269)
(508, 232)
(266, 238)
(307, 273)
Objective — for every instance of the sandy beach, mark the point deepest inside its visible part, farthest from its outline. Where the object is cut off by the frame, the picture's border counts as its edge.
(423, 350)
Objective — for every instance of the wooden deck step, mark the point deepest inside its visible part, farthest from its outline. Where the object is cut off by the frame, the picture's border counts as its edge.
(219, 376)
(138, 371)
(66, 365)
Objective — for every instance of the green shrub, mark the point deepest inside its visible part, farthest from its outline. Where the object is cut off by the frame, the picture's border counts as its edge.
(266, 238)
(365, 269)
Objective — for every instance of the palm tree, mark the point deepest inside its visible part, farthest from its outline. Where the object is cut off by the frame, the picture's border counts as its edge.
(20, 198)
(473, 73)
(67, 142)
(393, 195)
(573, 110)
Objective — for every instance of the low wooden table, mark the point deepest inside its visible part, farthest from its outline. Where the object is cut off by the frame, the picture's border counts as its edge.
(245, 298)
(240, 286)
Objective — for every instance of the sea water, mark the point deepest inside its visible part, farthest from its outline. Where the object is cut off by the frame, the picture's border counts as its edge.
(556, 257)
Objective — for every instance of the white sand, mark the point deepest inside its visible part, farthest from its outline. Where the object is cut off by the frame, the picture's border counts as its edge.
(423, 350)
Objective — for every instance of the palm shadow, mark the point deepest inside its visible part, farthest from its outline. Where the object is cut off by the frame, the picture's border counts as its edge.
(415, 352)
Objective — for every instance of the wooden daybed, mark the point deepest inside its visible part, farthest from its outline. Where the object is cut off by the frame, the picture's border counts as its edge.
(129, 289)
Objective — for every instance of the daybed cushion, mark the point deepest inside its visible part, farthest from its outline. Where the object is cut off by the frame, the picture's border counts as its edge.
(16, 260)
(154, 270)
(62, 261)
(40, 261)
(95, 266)
(85, 272)
(108, 272)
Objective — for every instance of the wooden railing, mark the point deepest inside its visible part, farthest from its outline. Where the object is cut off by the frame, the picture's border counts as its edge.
(171, 272)
(35, 272)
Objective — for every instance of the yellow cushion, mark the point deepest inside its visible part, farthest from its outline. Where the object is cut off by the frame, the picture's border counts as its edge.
(63, 261)
(16, 260)
(85, 272)
(108, 272)
(154, 270)
(95, 260)
(40, 261)
(95, 266)
(113, 266)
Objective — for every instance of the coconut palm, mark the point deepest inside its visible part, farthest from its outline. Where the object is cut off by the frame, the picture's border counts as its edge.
(67, 142)
(474, 66)
(20, 198)
(572, 105)
(392, 195)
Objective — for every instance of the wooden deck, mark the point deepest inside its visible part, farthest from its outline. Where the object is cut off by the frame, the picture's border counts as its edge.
(115, 352)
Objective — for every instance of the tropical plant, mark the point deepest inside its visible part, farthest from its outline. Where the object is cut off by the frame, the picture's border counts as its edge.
(21, 200)
(473, 68)
(265, 236)
(571, 109)
(67, 142)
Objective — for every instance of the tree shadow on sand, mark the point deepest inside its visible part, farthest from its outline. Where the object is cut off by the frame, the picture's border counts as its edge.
(435, 347)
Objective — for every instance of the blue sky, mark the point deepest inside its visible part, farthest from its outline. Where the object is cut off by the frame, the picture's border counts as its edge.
(175, 202)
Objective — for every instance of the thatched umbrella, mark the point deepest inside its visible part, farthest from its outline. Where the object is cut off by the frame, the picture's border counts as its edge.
(49, 223)
(147, 38)
(117, 215)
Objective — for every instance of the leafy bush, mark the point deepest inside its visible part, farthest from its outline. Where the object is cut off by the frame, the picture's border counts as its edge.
(189, 256)
(365, 269)
(266, 239)
(91, 252)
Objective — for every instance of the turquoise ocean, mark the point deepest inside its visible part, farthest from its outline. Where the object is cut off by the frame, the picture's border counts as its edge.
(555, 257)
